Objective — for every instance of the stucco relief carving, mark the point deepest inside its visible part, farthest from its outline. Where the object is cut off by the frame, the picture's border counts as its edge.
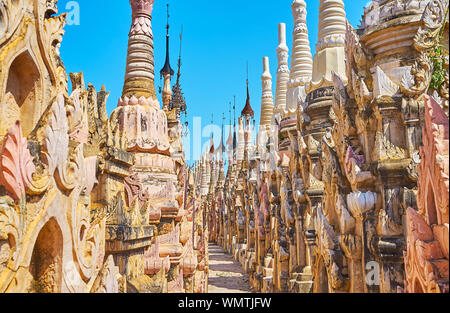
(56, 148)
(416, 82)
(16, 163)
(67, 171)
(426, 258)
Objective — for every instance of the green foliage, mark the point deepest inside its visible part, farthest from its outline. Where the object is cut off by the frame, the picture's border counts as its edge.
(439, 56)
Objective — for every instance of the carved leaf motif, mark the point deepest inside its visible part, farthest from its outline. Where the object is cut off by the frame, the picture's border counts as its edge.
(417, 81)
(16, 163)
(11, 14)
(75, 118)
(56, 147)
(432, 19)
(56, 138)
(87, 237)
(53, 27)
(51, 30)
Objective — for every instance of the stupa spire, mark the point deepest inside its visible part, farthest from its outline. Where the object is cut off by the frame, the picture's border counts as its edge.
(140, 72)
(267, 96)
(301, 62)
(283, 70)
(235, 141)
(330, 51)
(221, 148)
(332, 24)
(167, 71)
(178, 101)
(142, 122)
(204, 165)
(247, 112)
(241, 141)
(229, 142)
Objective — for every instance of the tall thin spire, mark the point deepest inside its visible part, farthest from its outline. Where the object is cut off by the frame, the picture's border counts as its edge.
(178, 100)
(283, 70)
(301, 61)
(213, 177)
(144, 127)
(241, 141)
(204, 166)
(221, 148)
(234, 112)
(211, 144)
(229, 110)
(235, 142)
(247, 73)
(179, 57)
(247, 116)
(267, 96)
(247, 111)
(167, 69)
(230, 140)
(140, 71)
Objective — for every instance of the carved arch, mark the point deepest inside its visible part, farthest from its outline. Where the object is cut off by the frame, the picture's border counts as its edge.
(47, 259)
(22, 90)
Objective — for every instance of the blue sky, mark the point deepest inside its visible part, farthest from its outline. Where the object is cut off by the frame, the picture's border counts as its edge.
(219, 37)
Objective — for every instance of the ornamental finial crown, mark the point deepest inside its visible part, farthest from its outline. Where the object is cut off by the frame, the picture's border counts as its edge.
(142, 6)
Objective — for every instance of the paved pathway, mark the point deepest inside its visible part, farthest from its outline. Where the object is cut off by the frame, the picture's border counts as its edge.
(225, 274)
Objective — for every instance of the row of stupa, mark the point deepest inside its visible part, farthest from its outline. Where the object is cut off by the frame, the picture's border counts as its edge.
(345, 189)
(293, 83)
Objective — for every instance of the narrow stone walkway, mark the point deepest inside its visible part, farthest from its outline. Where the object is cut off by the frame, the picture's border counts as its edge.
(225, 274)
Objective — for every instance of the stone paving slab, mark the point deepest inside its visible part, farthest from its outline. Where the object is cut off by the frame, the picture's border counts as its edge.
(225, 274)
